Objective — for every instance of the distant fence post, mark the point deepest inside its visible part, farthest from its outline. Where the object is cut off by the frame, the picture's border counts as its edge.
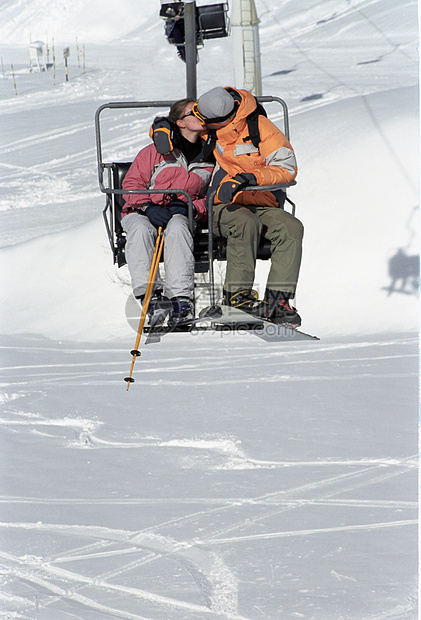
(54, 63)
(66, 54)
(14, 80)
(78, 53)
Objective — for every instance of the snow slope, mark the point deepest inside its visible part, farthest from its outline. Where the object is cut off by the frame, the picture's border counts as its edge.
(236, 478)
(231, 481)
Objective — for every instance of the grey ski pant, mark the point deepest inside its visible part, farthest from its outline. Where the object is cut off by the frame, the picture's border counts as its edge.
(178, 255)
(243, 226)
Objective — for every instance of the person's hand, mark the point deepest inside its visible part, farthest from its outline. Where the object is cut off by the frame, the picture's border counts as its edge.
(230, 187)
(162, 135)
(157, 215)
(177, 207)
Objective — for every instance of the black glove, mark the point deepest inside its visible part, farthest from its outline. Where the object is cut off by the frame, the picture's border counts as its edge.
(157, 215)
(162, 133)
(182, 208)
(177, 206)
(230, 187)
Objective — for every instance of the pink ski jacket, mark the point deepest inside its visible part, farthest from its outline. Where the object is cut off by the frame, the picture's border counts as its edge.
(150, 170)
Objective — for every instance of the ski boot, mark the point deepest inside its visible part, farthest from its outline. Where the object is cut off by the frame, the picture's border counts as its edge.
(246, 300)
(158, 309)
(182, 311)
(279, 310)
(274, 307)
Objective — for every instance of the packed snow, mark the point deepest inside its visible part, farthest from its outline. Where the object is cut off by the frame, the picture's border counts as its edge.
(238, 478)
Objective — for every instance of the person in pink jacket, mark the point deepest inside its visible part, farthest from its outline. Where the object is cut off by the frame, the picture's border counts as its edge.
(184, 167)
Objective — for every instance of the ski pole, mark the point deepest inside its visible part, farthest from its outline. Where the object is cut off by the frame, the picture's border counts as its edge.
(159, 244)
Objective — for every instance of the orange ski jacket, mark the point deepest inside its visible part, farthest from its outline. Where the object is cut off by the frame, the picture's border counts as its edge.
(272, 162)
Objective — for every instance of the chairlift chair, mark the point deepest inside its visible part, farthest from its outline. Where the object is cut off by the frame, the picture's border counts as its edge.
(211, 21)
(206, 248)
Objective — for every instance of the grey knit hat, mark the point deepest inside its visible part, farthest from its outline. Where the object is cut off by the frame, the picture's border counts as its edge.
(216, 105)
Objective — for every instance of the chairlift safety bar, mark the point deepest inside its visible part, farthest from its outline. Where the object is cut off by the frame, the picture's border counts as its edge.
(158, 104)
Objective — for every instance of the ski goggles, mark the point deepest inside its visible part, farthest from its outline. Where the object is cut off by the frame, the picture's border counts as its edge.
(185, 115)
(215, 120)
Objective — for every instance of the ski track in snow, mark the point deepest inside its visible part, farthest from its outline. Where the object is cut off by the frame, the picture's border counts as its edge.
(83, 373)
(212, 576)
(221, 521)
(215, 580)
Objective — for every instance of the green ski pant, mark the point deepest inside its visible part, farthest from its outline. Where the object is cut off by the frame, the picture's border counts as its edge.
(243, 226)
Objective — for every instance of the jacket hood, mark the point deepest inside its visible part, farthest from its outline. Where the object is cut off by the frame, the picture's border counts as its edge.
(246, 105)
(247, 102)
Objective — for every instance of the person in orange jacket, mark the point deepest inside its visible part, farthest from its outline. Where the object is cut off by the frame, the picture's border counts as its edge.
(243, 217)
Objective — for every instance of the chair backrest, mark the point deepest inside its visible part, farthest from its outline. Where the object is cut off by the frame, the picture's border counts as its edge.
(212, 20)
(119, 171)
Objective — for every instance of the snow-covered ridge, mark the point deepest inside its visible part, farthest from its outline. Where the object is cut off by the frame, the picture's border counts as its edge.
(96, 22)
